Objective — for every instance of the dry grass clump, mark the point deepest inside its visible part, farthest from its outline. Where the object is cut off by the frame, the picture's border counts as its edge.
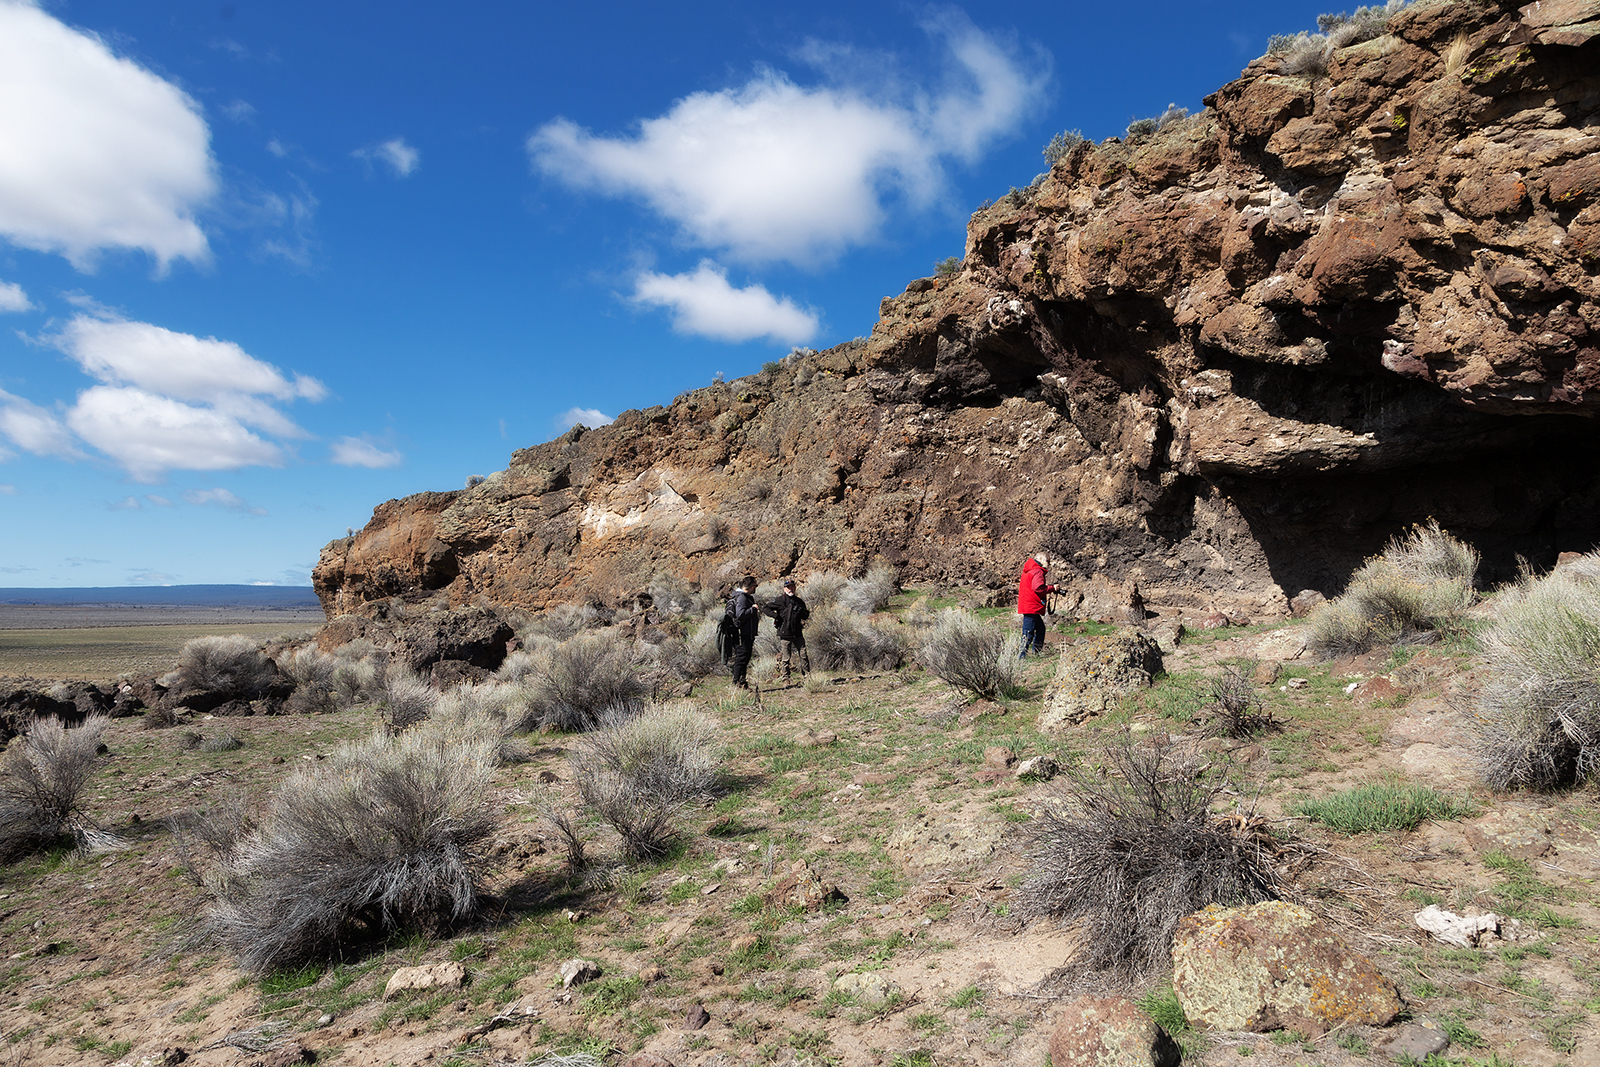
(384, 836)
(401, 698)
(1537, 723)
(1419, 587)
(42, 772)
(1310, 53)
(575, 683)
(234, 665)
(821, 589)
(1130, 851)
(843, 640)
(640, 771)
(675, 596)
(961, 650)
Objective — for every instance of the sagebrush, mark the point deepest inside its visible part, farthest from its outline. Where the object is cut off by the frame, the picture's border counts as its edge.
(640, 771)
(843, 640)
(42, 775)
(386, 835)
(233, 665)
(967, 653)
(1537, 720)
(1129, 850)
(573, 684)
(1418, 589)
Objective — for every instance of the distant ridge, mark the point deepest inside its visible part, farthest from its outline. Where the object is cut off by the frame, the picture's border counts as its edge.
(222, 596)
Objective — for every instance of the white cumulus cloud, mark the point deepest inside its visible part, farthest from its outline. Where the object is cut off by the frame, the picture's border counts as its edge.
(773, 170)
(362, 452)
(583, 417)
(706, 304)
(12, 298)
(33, 429)
(398, 155)
(149, 434)
(98, 152)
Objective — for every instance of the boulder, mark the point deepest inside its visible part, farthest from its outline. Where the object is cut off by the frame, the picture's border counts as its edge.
(802, 888)
(476, 636)
(927, 843)
(1110, 1032)
(1094, 674)
(1274, 966)
(578, 971)
(450, 975)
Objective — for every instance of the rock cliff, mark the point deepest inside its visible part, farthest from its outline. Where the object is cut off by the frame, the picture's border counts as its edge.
(1213, 364)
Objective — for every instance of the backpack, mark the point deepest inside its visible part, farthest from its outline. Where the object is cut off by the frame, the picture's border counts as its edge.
(727, 634)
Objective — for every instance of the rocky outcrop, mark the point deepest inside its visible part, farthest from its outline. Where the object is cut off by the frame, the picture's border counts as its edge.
(1205, 367)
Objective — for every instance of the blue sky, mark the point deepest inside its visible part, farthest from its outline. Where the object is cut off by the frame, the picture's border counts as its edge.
(266, 265)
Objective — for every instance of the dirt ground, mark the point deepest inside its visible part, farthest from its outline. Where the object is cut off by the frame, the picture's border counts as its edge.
(899, 810)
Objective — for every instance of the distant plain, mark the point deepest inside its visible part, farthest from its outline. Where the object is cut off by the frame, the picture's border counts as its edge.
(98, 642)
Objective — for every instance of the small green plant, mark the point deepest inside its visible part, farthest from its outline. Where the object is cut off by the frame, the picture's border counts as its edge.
(1382, 806)
(609, 996)
(1163, 1006)
(966, 997)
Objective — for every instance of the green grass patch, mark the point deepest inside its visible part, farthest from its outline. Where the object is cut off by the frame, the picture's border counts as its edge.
(1381, 806)
(1162, 1006)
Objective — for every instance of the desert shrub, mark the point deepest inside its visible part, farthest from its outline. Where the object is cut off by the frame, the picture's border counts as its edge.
(821, 589)
(639, 771)
(700, 648)
(1236, 709)
(223, 742)
(1140, 128)
(1380, 806)
(385, 836)
(1061, 146)
(1537, 721)
(565, 621)
(1420, 586)
(573, 684)
(870, 592)
(948, 267)
(211, 834)
(675, 596)
(313, 674)
(42, 772)
(402, 699)
(1174, 113)
(961, 650)
(843, 640)
(487, 711)
(234, 665)
(1131, 851)
(1366, 24)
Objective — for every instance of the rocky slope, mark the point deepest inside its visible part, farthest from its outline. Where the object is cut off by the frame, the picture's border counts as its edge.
(1213, 365)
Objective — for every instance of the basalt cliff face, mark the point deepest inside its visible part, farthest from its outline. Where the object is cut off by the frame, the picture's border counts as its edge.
(1217, 364)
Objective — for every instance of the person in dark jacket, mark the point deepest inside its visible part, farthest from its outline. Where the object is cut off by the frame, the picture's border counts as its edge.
(1031, 591)
(790, 612)
(747, 616)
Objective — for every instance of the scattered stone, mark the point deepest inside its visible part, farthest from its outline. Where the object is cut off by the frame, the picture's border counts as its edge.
(801, 888)
(712, 888)
(1215, 621)
(1274, 966)
(743, 942)
(1110, 1032)
(651, 973)
(1417, 1040)
(869, 989)
(697, 1017)
(815, 738)
(1297, 683)
(1168, 635)
(1301, 605)
(1042, 768)
(324, 1020)
(1265, 672)
(1285, 644)
(1094, 675)
(287, 1056)
(450, 975)
(576, 916)
(577, 971)
(998, 756)
(1463, 930)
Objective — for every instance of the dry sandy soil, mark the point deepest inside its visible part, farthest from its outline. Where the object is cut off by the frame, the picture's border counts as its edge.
(899, 811)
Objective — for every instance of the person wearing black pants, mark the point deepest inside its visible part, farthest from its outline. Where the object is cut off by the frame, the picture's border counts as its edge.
(746, 615)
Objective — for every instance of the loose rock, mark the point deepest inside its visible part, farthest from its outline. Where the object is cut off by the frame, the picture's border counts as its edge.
(1110, 1032)
(432, 976)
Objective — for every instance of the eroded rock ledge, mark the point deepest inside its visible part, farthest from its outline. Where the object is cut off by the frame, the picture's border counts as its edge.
(1221, 362)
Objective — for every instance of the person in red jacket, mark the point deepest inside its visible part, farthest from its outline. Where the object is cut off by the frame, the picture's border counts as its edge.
(1031, 592)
